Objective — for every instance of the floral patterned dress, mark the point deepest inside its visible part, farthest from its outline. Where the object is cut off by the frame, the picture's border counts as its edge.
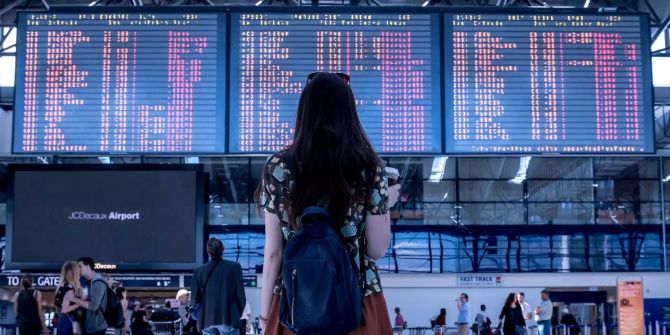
(276, 184)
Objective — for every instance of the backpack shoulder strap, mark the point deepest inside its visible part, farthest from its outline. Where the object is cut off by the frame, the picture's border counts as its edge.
(100, 309)
(209, 275)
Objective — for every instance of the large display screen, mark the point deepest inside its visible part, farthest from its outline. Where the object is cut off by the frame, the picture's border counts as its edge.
(392, 58)
(143, 217)
(120, 82)
(548, 83)
(214, 81)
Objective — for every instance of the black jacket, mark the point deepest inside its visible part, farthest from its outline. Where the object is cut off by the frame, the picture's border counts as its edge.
(223, 300)
(513, 318)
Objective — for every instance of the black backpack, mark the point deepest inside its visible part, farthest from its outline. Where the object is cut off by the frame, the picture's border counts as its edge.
(113, 310)
(321, 292)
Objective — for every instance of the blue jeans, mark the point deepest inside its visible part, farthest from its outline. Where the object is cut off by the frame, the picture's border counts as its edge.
(220, 330)
(544, 327)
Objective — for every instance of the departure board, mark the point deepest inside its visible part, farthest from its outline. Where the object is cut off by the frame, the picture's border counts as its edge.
(120, 82)
(392, 58)
(548, 83)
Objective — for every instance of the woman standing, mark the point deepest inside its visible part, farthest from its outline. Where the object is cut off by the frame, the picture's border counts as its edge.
(513, 315)
(123, 299)
(71, 317)
(331, 164)
(28, 309)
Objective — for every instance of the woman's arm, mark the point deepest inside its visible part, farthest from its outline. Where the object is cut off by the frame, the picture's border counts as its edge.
(271, 262)
(15, 301)
(68, 303)
(40, 311)
(124, 306)
(502, 314)
(378, 228)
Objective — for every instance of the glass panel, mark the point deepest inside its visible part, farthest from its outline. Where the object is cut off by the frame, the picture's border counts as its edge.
(660, 67)
(626, 252)
(535, 253)
(488, 168)
(229, 214)
(489, 190)
(409, 253)
(560, 190)
(626, 167)
(226, 168)
(560, 168)
(492, 214)
(628, 190)
(440, 191)
(493, 255)
(434, 168)
(439, 214)
(245, 248)
(560, 213)
(7, 68)
(3, 214)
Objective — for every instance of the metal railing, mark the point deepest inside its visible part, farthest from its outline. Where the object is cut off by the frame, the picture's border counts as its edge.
(166, 327)
(652, 328)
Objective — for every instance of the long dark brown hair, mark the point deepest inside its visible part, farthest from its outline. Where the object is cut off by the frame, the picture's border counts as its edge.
(510, 299)
(331, 158)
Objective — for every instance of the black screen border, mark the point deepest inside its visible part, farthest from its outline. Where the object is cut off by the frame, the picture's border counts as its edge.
(200, 214)
(19, 76)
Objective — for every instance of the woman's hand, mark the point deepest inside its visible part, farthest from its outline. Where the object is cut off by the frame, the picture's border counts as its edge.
(394, 194)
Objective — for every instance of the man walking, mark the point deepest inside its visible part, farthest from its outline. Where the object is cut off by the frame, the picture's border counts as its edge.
(531, 327)
(544, 313)
(97, 298)
(463, 320)
(218, 290)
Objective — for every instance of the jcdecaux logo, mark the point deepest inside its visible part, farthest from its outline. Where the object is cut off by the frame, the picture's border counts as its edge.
(111, 216)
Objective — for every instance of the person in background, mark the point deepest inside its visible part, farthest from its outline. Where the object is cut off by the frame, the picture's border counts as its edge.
(399, 320)
(54, 323)
(71, 318)
(95, 323)
(139, 322)
(123, 299)
(527, 314)
(149, 310)
(482, 322)
(570, 321)
(441, 322)
(218, 289)
(245, 320)
(108, 280)
(514, 324)
(28, 309)
(463, 319)
(164, 314)
(544, 313)
(182, 297)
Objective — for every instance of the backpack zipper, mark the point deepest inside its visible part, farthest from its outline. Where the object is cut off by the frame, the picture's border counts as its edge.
(293, 275)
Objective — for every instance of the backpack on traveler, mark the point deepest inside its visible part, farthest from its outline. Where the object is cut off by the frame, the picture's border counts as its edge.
(113, 310)
(321, 292)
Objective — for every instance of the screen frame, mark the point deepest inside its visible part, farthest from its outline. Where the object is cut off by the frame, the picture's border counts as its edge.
(200, 214)
(646, 70)
(442, 13)
(436, 18)
(221, 67)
